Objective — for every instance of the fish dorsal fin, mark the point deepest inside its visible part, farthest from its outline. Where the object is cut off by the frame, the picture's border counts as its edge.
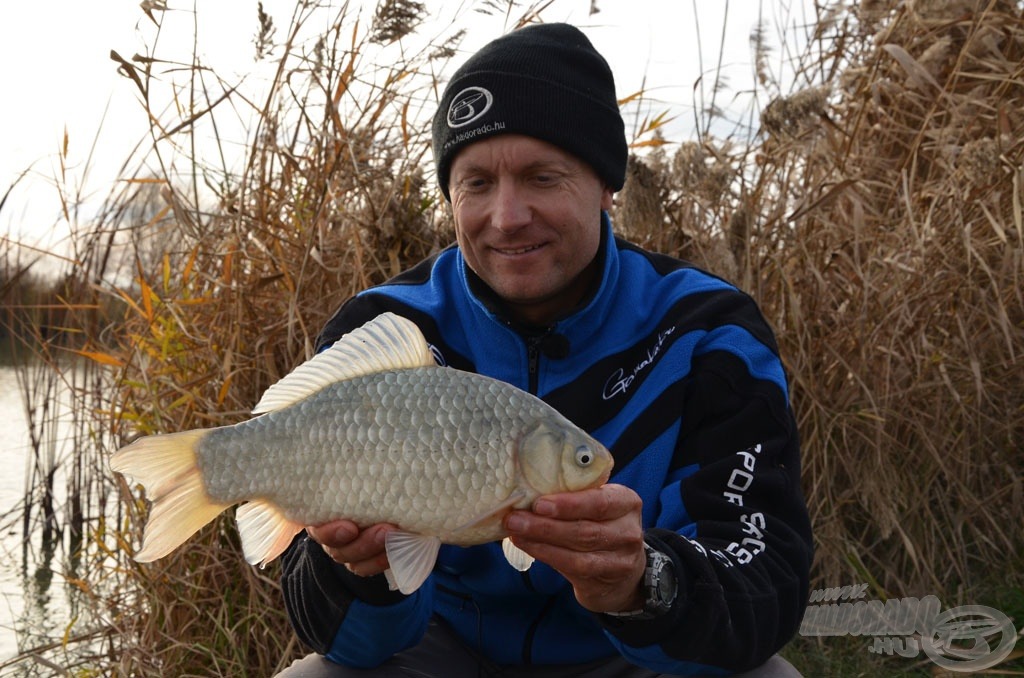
(388, 342)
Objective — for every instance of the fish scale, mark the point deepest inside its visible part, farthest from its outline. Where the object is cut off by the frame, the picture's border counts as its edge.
(371, 430)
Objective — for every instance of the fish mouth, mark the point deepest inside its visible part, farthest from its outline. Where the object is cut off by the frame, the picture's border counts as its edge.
(607, 475)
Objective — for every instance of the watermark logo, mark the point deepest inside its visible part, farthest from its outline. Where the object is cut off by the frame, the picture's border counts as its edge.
(961, 638)
(966, 638)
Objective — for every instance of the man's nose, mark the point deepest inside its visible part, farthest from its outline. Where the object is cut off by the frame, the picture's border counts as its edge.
(512, 211)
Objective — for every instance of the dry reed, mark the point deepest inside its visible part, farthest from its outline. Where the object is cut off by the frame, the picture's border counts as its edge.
(878, 220)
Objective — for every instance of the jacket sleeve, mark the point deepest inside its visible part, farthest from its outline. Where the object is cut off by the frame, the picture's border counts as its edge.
(731, 514)
(337, 613)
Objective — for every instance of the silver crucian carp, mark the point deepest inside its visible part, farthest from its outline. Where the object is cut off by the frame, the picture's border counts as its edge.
(374, 431)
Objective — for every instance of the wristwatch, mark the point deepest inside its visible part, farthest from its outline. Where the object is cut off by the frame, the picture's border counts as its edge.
(660, 586)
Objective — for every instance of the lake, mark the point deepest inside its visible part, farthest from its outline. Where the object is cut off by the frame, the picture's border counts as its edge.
(34, 605)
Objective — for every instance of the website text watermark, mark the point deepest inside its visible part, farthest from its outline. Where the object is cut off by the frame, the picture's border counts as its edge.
(965, 638)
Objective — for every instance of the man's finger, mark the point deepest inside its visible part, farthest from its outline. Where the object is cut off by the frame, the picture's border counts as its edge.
(598, 504)
(335, 533)
(581, 536)
(367, 546)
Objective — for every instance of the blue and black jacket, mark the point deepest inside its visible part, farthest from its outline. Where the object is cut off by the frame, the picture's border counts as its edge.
(678, 374)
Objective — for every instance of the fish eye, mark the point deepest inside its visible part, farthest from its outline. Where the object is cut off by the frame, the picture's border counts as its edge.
(584, 456)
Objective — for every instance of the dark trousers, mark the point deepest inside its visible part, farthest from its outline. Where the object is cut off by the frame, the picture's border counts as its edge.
(441, 654)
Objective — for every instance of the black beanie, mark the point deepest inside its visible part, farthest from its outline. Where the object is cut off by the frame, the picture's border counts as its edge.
(544, 81)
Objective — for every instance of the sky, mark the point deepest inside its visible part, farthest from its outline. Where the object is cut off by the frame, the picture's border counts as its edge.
(68, 114)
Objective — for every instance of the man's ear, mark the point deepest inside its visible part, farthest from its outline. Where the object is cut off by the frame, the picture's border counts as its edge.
(607, 197)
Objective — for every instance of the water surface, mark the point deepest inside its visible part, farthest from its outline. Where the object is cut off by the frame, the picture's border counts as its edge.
(34, 606)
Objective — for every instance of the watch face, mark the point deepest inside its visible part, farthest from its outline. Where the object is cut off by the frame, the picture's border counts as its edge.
(661, 582)
(667, 584)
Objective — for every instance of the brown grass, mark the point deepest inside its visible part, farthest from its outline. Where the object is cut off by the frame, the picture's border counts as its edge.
(876, 215)
(878, 220)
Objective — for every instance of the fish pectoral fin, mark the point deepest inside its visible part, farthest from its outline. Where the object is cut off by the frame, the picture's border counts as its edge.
(491, 514)
(412, 558)
(516, 557)
(265, 531)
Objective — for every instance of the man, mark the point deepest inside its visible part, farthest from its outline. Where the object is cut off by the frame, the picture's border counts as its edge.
(694, 558)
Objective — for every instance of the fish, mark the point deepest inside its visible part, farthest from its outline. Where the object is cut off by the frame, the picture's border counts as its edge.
(373, 430)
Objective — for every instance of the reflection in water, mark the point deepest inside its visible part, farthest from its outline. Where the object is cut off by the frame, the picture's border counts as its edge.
(38, 604)
(37, 576)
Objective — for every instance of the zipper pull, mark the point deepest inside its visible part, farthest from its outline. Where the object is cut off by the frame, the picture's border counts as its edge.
(533, 355)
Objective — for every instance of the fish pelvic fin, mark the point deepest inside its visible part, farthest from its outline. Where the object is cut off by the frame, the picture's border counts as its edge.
(265, 531)
(411, 558)
(165, 466)
(388, 342)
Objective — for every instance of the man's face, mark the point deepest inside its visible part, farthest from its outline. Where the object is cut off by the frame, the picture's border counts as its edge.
(528, 222)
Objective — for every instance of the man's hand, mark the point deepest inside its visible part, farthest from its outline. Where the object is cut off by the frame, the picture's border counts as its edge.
(594, 538)
(361, 551)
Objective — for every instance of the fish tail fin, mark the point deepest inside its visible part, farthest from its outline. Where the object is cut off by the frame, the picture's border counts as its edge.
(165, 465)
(265, 531)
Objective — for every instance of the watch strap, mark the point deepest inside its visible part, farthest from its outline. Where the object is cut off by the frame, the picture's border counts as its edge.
(658, 567)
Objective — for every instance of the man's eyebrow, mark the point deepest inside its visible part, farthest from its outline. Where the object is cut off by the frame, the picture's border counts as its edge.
(553, 163)
(474, 168)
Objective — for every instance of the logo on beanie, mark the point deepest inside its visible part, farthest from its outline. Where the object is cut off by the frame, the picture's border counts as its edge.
(469, 105)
